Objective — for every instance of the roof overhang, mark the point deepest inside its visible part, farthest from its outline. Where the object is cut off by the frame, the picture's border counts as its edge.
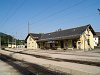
(90, 27)
(62, 38)
(31, 36)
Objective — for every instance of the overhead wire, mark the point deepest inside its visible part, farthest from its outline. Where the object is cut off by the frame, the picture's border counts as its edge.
(81, 17)
(42, 11)
(6, 15)
(76, 4)
(14, 12)
(46, 9)
(84, 10)
(55, 12)
(62, 11)
(78, 11)
(58, 12)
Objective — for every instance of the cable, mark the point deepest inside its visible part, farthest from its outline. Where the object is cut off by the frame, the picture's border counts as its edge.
(6, 14)
(41, 12)
(59, 12)
(62, 10)
(8, 18)
(82, 17)
(66, 9)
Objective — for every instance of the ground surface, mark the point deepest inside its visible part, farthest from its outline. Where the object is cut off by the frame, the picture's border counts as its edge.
(6, 69)
(47, 58)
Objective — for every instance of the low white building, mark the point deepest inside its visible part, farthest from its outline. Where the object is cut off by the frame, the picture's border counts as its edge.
(20, 46)
(11, 46)
(97, 39)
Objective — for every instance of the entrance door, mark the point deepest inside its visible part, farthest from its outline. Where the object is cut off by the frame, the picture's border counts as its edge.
(51, 45)
(62, 44)
(74, 43)
(79, 45)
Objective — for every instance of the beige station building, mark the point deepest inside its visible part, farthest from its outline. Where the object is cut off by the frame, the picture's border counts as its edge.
(75, 38)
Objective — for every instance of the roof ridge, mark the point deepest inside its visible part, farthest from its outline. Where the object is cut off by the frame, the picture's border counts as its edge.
(68, 29)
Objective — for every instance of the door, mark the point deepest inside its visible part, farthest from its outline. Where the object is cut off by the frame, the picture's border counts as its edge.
(62, 44)
(79, 45)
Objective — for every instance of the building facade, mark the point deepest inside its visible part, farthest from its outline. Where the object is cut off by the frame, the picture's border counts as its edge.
(74, 38)
(97, 39)
(31, 41)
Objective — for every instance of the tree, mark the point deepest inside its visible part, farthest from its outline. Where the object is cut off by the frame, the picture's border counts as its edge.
(5, 38)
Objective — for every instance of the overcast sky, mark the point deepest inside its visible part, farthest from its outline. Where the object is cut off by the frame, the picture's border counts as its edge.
(47, 15)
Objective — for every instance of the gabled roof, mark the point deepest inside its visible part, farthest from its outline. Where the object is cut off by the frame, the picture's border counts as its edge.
(34, 36)
(72, 33)
(66, 34)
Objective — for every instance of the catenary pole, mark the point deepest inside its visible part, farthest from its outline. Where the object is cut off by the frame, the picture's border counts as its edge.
(0, 42)
(28, 28)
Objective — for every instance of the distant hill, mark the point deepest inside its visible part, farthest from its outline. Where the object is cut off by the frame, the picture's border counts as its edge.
(5, 38)
(3, 34)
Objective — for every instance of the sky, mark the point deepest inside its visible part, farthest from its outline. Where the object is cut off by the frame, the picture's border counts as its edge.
(46, 16)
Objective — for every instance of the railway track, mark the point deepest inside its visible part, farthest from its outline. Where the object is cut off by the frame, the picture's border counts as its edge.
(92, 63)
(26, 68)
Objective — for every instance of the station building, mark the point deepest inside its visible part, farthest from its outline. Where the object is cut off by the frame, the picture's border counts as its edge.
(75, 38)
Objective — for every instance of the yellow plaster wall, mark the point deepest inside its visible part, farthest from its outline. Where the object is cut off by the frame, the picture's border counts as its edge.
(83, 39)
(31, 43)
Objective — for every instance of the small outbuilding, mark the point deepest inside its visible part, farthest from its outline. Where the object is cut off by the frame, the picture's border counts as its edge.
(31, 40)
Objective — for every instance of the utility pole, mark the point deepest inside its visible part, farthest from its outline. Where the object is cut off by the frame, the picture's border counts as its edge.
(0, 42)
(15, 43)
(8, 41)
(28, 28)
(14, 40)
